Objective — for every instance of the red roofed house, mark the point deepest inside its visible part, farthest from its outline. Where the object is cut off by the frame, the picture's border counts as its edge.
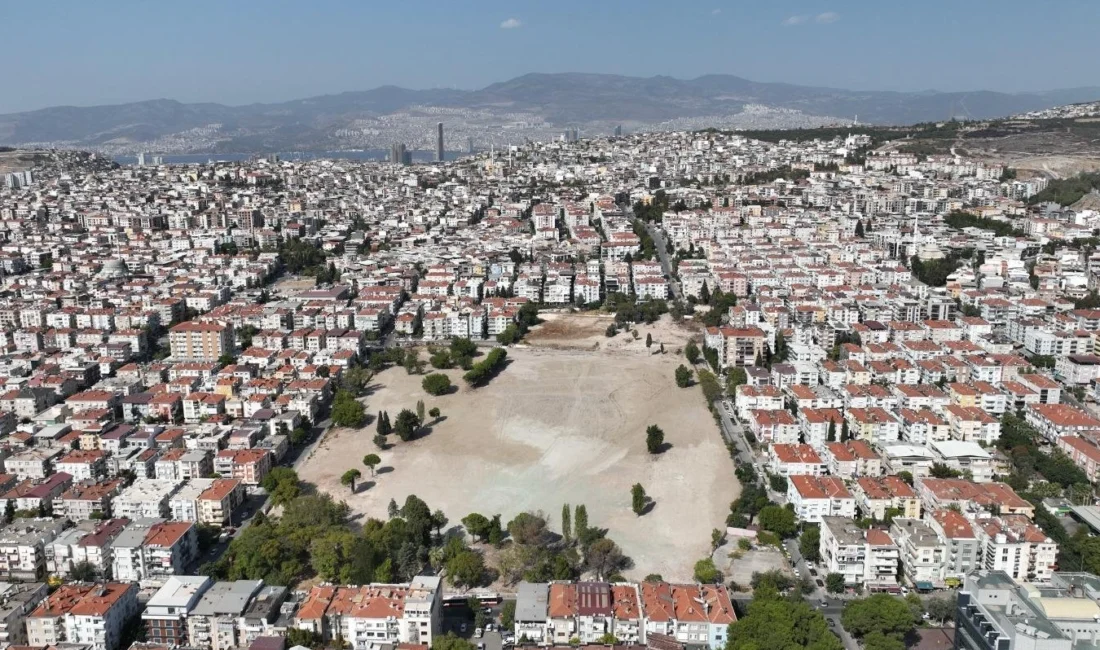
(868, 557)
(814, 497)
(249, 466)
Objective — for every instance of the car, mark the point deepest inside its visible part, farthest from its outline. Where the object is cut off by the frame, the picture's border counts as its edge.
(481, 646)
(820, 584)
(813, 572)
(832, 623)
(462, 628)
(905, 591)
(824, 603)
(477, 633)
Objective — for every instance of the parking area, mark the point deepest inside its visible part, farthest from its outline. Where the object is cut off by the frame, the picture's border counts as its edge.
(463, 622)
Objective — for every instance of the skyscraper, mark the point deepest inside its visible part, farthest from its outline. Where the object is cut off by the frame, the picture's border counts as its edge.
(141, 159)
(619, 131)
(439, 142)
(399, 155)
(470, 145)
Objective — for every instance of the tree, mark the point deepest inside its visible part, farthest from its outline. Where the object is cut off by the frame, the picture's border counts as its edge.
(305, 638)
(939, 470)
(611, 331)
(379, 441)
(717, 537)
(477, 525)
(83, 571)
(566, 526)
(604, 558)
(648, 340)
(466, 569)
(880, 613)
(407, 425)
(831, 436)
(784, 624)
(859, 229)
(382, 424)
(737, 377)
(879, 641)
(349, 478)
(844, 431)
(580, 522)
(906, 476)
(834, 583)
(638, 499)
(940, 609)
(683, 376)
(706, 573)
(434, 412)
(654, 439)
(508, 615)
(451, 642)
(778, 520)
(527, 528)
(439, 522)
(436, 384)
(392, 509)
(372, 461)
(298, 435)
(704, 293)
(809, 544)
(691, 352)
(347, 411)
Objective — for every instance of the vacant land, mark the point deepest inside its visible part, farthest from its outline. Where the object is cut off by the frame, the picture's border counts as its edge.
(556, 426)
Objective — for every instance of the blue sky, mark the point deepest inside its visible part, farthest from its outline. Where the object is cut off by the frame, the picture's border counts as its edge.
(241, 51)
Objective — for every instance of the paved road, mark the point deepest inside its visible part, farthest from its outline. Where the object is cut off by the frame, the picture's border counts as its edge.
(659, 243)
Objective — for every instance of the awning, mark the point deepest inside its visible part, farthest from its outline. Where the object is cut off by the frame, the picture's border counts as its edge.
(924, 585)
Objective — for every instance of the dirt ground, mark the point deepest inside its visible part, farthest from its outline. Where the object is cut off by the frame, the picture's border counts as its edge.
(556, 426)
(588, 331)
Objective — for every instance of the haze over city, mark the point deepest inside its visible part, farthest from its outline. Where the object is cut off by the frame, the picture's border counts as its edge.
(605, 325)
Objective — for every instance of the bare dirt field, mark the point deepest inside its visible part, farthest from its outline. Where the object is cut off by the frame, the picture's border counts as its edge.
(556, 426)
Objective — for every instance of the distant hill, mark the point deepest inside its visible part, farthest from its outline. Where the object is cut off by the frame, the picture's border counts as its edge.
(532, 105)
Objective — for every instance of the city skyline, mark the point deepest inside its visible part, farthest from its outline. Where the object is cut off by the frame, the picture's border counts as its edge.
(292, 56)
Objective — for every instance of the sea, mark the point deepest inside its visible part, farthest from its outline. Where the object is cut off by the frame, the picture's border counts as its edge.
(360, 155)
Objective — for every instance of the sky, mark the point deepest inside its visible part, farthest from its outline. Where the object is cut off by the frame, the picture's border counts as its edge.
(67, 52)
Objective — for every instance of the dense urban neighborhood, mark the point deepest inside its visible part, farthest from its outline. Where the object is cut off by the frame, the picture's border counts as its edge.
(688, 389)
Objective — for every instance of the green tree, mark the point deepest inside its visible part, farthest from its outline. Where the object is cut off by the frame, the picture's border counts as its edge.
(834, 583)
(880, 613)
(566, 525)
(508, 615)
(372, 461)
(940, 609)
(691, 352)
(580, 522)
(466, 569)
(809, 543)
(527, 528)
(683, 376)
(831, 436)
(778, 520)
(349, 478)
(706, 573)
(775, 622)
(407, 425)
(879, 641)
(436, 384)
(477, 525)
(717, 537)
(737, 377)
(420, 412)
(347, 411)
(638, 499)
(604, 558)
(859, 229)
(379, 441)
(654, 439)
(83, 571)
(382, 424)
(648, 340)
(451, 642)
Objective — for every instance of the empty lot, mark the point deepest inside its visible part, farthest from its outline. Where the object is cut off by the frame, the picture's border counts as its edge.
(556, 426)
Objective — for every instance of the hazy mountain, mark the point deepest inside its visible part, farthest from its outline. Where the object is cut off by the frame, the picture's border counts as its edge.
(568, 99)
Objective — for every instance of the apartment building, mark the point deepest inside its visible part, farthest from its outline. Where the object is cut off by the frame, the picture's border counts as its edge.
(153, 549)
(695, 615)
(234, 614)
(249, 466)
(788, 459)
(166, 612)
(876, 495)
(867, 557)
(23, 547)
(921, 552)
(195, 341)
(91, 615)
(371, 616)
(814, 497)
(16, 601)
(1013, 544)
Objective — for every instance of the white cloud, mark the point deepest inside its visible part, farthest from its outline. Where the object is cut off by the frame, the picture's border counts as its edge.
(716, 12)
(821, 19)
(511, 23)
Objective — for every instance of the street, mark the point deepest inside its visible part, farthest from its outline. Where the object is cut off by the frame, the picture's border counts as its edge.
(658, 237)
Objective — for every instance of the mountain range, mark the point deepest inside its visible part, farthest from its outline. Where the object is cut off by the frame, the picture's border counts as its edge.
(533, 104)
